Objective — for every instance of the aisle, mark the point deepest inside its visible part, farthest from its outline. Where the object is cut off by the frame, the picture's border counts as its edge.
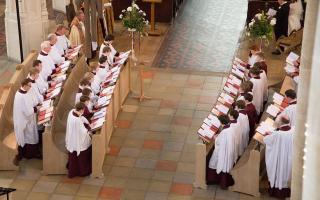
(204, 36)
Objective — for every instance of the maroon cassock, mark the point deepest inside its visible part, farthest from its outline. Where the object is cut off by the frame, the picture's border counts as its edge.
(29, 151)
(213, 178)
(253, 118)
(264, 66)
(80, 165)
(87, 114)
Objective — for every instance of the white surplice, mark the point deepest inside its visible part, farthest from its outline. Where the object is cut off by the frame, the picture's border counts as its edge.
(237, 134)
(56, 56)
(77, 136)
(263, 76)
(253, 59)
(244, 130)
(113, 51)
(223, 155)
(47, 65)
(290, 111)
(62, 44)
(37, 98)
(295, 16)
(24, 119)
(42, 85)
(278, 158)
(258, 93)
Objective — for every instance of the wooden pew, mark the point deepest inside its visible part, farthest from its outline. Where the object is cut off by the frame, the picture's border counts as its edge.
(8, 144)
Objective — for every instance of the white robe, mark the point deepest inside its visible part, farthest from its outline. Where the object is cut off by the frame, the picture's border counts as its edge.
(237, 134)
(253, 59)
(62, 44)
(37, 98)
(56, 56)
(47, 66)
(222, 158)
(77, 136)
(295, 15)
(24, 119)
(278, 158)
(113, 51)
(263, 76)
(95, 85)
(258, 93)
(102, 73)
(244, 130)
(290, 111)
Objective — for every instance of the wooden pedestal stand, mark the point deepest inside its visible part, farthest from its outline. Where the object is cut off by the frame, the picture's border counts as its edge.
(153, 31)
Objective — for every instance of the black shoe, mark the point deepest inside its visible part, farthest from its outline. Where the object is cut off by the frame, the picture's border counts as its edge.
(276, 52)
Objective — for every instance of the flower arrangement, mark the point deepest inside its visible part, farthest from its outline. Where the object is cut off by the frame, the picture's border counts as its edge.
(261, 27)
(133, 18)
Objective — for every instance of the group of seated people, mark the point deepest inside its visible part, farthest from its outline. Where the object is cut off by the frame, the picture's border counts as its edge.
(239, 127)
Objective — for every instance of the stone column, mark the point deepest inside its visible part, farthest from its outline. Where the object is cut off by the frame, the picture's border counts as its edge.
(34, 20)
(311, 174)
(303, 94)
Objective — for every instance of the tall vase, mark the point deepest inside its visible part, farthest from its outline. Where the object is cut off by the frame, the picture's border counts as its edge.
(133, 56)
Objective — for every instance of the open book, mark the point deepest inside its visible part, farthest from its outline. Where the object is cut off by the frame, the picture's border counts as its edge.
(292, 57)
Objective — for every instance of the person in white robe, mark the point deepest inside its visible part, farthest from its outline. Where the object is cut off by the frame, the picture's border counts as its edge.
(107, 53)
(254, 55)
(103, 69)
(63, 42)
(85, 92)
(78, 143)
(257, 90)
(48, 65)
(245, 87)
(108, 43)
(237, 133)
(25, 122)
(57, 58)
(95, 82)
(41, 83)
(222, 159)
(278, 157)
(34, 91)
(244, 125)
(264, 78)
(295, 16)
(291, 109)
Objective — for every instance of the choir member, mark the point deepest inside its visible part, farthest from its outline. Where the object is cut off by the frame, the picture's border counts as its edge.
(54, 53)
(77, 31)
(41, 83)
(262, 63)
(95, 83)
(252, 113)
(278, 156)
(245, 87)
(34, 90)
(84, 92)
(63, 42)
(86, 101)
(78, 143)
(25, 122)
(222, 159)
(258, 89)
(264, 78)
(243, 120)
(108, 43)
(235, 124)
(103, 69)
(281, 27)
(48, 65)
(254, 55)
(107, 53)
(295, 16)
(290, 110)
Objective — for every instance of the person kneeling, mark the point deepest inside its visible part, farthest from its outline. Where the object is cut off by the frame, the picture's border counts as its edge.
(78, 143)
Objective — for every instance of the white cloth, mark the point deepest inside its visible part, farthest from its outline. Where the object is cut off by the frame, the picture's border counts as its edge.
(244, 130)
(42, 85)
(77, 136)
(253, 59)
(47, 66)
(113, 50)
(56, 56)
(295, 15)
(223, 155)
(258, 93)
(290, 111)
(37, 98)
(279, 157)
(237, 134)
(263, 76)
(62, 44)
(24, 119)
(102, 73)
(77, 100)
(95, 85)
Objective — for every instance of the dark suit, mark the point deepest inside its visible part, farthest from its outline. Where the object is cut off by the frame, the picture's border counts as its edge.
(281, 27)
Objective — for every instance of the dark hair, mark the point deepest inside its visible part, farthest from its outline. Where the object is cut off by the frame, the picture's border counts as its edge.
(241, 104)
(291, 94)
(254, 70)
(79, 106)
(224, 119)
(284, 120)
(103, 59)
(36, 63)
(246, 86)
(109, 38)
(257, 65)
(248, 97)
(84, 81)
(34, 71)
(234, 113)
(86, 92)
(106, 49)
(84, 98)
(25, 82)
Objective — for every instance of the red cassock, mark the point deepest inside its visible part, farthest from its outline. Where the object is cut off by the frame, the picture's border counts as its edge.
(253, 118)
(80, 165)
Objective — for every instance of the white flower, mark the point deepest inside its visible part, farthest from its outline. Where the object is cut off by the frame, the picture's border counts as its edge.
(146, 22)
(120, 16)
(129, 9)
(253, 20)
(259, 15)
(136, 6)
(264, 37)
(133, 29)
(123, 10)
(273, 21)
(248, 34)
(251, 24)
(140, 11)
(144, 14)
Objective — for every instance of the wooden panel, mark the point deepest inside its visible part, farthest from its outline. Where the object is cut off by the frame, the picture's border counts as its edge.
(124, 83)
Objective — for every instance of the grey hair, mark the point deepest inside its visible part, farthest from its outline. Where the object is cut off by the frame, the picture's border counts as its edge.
(51, 36)
(45, 44)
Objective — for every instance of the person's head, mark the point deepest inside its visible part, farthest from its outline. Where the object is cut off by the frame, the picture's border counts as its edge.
(254, 49)
(89, 76)
(26, 84)
(233, 114)
(61, 29)
(257, 65)
(281, 2)
(52, 38)
(282, 121)
(248, 98)
(45, 46)
(84, 82)
(37, 64)
(106, 51)
(80, 15)
(109, 39)
(254, 72)
(79, 107)
(260, 55)
(245, 87)
(34, 73)
(290, 95)
(86, 92)
(224, 119)
(240, 104)
(85, 100)
(103, 60)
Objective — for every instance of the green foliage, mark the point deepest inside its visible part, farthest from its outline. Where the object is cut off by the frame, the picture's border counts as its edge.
(261, 27)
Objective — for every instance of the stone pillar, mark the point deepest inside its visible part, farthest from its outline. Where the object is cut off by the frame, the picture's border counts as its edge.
(34, 25)
(311, 174)
(303, 94)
